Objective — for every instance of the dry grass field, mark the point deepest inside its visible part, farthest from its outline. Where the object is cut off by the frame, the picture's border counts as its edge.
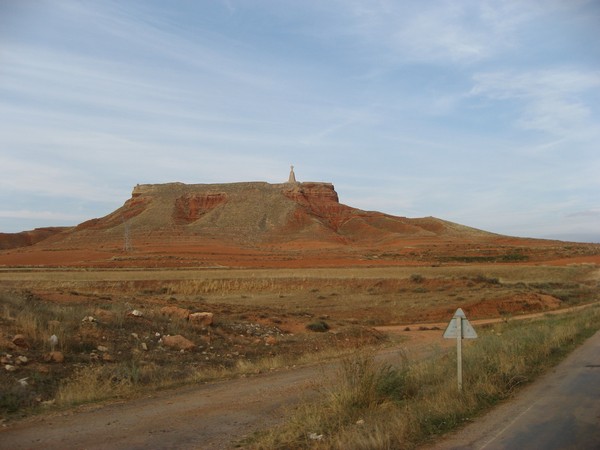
(374, 405)
(114, 328)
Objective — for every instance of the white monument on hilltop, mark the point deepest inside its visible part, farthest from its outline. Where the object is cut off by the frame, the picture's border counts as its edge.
(292, 178)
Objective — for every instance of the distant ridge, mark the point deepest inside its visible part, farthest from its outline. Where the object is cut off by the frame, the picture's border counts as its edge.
(27, 238)
(262, 224)
(258, 213)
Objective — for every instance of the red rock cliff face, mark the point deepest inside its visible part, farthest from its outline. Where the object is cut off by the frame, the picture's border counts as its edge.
(190, 207)
(132, 208)
(305, 193)
(321, 200)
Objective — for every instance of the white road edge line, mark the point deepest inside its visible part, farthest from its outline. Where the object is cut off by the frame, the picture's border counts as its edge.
(506, 427)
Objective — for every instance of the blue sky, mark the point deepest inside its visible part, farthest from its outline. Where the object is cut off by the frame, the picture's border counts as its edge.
(485, 113)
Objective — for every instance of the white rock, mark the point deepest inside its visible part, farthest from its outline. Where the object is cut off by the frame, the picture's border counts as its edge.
(53, 342)
(203, 319)
(10, 368)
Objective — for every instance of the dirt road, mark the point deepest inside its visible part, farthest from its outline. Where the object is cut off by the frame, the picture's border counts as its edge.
(197, 417)
(209, 416)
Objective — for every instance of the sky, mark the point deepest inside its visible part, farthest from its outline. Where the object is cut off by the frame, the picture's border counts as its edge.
(484, 113)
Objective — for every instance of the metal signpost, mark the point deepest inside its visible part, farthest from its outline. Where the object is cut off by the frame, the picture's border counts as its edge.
(459, 328)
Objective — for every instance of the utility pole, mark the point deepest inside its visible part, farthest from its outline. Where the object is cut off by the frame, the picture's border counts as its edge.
(127, 241)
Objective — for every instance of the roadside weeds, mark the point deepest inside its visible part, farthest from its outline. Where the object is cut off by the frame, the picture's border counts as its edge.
(373, 405)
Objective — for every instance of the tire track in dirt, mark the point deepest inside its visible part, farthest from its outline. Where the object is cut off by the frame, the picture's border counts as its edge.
(196, 417)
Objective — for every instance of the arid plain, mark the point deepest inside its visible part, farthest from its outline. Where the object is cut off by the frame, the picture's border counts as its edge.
(189, 283)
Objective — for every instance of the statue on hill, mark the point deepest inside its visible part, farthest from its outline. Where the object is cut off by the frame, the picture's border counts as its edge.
(292, 178)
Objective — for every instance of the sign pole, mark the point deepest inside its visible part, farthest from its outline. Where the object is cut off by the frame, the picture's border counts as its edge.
(459, 328)
(459, 352)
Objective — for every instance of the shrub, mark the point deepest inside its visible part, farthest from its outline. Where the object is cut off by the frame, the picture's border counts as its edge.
(416, 278)
(318, 326)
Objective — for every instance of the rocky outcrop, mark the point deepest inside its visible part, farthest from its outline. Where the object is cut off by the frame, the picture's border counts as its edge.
(311, 193)
(321, 200)
(191, 206)
(201, 319)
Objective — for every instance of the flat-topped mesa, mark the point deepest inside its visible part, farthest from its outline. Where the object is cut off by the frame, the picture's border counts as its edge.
(236, 209)
(298, 191)
(195, 199)
(252, 213)
(206, 224)
(252, 223)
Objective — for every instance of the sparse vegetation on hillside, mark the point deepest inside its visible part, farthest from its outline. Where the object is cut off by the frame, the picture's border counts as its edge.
(269, 225)
(109, 347)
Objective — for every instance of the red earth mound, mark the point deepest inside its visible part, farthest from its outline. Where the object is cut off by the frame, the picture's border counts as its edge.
(27, 238)
(269, 225)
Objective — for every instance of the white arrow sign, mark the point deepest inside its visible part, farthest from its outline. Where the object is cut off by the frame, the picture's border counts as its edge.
(468, 332)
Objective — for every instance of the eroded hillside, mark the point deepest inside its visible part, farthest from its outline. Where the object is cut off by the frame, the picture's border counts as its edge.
(257, 224)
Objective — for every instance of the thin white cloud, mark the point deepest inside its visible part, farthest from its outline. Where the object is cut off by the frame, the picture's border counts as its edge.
(142, 29)
(589, 213)
(554, 101)
(437, 32)
(370, 95)
(553, 82)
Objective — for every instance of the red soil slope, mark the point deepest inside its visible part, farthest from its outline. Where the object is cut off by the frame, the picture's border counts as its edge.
(27, 238)
(273, 225)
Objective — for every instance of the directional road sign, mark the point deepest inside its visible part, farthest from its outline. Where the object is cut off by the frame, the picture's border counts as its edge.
(459, 328)
(468, 332)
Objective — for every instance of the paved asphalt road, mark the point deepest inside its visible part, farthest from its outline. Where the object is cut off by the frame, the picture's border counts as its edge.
(559, 411)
